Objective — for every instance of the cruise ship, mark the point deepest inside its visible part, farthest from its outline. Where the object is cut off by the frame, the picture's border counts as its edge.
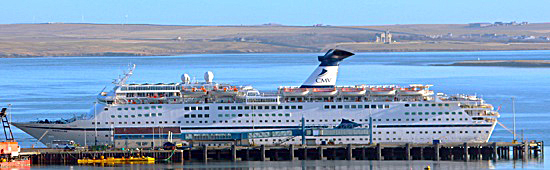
(316, 112)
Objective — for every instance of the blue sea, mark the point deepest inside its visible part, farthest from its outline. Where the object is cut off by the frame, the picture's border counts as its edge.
(60, 87)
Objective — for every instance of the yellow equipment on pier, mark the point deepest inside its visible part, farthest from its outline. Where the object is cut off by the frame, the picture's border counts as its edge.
(111, 160)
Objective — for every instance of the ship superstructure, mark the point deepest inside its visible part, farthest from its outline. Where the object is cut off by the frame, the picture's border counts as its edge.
(143, 115)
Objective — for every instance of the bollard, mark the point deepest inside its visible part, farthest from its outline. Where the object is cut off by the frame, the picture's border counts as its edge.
(204, 153)
(407, 151)
(378, 152)
(291, 152)
(233, 153)
(262, 152)
(436, 152)
(349, 152)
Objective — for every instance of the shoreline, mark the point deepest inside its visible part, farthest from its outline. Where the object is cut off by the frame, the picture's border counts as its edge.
(501, 63)
(116, 54)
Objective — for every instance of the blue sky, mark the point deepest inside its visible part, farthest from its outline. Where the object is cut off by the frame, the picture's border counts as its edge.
(288, 12)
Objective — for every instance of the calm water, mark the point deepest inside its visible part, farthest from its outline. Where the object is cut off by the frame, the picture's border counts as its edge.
(55, 88)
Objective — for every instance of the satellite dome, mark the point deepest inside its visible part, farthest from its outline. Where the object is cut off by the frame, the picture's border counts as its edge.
(185, 78)
(208, 76)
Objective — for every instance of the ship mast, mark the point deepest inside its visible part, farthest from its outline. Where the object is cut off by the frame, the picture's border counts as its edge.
(127, 75)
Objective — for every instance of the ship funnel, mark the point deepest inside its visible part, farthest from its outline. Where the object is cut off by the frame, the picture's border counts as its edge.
(208, 76)
(325, 75)
(185, 78)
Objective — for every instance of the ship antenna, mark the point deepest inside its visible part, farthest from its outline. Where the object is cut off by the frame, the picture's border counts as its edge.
(127, 75)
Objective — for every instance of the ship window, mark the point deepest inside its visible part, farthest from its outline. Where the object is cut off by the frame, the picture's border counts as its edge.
(146, 108)
(153, 107)
(426, 105)
(413, 113)
(206, 115)
(446, 113)
(280, 114)
(220, 115)
(226, 108)
(233, 115)
(440, 113)
(160, 107)
(287, 114)
(433, 105)
(206, 107)
(240, 108)
(346, 106)
(427, 113)
(387, 106)
(146, 114)
(373, 106)
(433, 113)
(454, 113)
(193, 116)
(133, 108)
(199, 115)
(380, 106)
(413, 105)
(179, 121)
(300, 107)
(273, 114)
(327, 107)
(153, 114)
(293, 107)
(125, 108)
(260, 107)
(406, 105)
(220, 108)
(199, 108)
(112, 116)
(125, 116)
(193, 108)
(186, 108)
(446, 104)
(133, 116)
(353, 106)
(359, 106)
(340, 106)
(139, 107)
(439, 104)
(333, 106)
(246, 107)
(459, 113)
(419, 105)
(119, 116)
(119, 109)
(287, 107)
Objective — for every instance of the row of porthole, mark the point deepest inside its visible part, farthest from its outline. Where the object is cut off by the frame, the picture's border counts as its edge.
(357, 106)
(425, 119)
(139, 108)
(433, 113)
(427, 105)
(138, 115)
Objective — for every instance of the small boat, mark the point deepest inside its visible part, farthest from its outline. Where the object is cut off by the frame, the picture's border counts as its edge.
(225, 91)
(382, 91)
(324, 91)
(295, 91)
(194, 92)
(353, 91)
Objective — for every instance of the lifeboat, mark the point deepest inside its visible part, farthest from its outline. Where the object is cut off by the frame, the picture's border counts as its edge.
(410, 91)
(295, 91)
(194, 92)
(353, 91)
(382, 91)
(324, 91)
(226, 91)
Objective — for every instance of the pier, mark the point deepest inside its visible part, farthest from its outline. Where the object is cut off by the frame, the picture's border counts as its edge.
(407, 151)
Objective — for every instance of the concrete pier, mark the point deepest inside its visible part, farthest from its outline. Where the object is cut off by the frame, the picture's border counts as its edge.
(408, 151)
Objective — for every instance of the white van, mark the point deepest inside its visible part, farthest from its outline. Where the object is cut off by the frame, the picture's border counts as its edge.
(62, 144)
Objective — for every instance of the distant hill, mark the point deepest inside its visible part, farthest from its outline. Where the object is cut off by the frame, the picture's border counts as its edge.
(60, 39)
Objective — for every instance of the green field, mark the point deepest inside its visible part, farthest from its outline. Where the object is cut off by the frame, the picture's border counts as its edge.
(30, 40)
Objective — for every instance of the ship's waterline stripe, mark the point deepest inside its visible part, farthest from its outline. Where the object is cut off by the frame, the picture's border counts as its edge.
(270, 127)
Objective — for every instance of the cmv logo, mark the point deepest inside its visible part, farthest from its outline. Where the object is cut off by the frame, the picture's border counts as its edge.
(323, 72)
(323, 80)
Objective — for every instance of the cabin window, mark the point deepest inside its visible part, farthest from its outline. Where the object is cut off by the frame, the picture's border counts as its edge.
(406, 105)
(380, 106)
(287, 107)
(146, 114)
(327, 107)
(279, 107)
(373, 106)
(340, 106)
(293, 107)
(125, 116)
(413, 105)
(186, 108)
(433, 113)
(146, 108)
(240, 108)
(454, 113)
(133, 108)
(346, 106)
(353, 106)
(226, 108)
(206, 107)
(139, 107)
(153, 107)
(359, 106)
(112, 116)
(333, 106)
(387, 106)
(459, 113)
(233, 107)
(446, 104)
(199, 108)
(439, 104)
(153, 114)
(133, 116)
(193, 108)
(119, 109)
(446, 113)
(119, 116)
(125, 108)
(220, 108)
